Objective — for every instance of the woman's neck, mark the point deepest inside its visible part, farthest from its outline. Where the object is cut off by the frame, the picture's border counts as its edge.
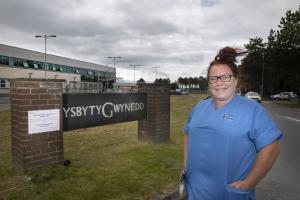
(220, 103)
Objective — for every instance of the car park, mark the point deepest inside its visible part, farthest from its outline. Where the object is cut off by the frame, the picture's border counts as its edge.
(253, 95)
(284, 96)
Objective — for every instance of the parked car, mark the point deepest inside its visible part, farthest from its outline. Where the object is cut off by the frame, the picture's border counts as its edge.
(284, 96)
(253, 95)
(178, 92)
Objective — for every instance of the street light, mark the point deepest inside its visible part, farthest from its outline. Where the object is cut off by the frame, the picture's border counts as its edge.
(114, 57)
(45, 38)
(134, 65)
(156, 71)
(262, 74)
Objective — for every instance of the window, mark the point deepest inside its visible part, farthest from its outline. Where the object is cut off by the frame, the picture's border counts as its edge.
(57, 67)
(3, 60)
(2, 83)
(83, 71)
(11, 61)
(61, 69)
(89, 73)
(36, 66)
(76, 71)
(18, 62)
(68, 69)
(25, 64)
(30, 63)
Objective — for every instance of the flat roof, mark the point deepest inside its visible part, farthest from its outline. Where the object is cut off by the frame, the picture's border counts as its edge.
(17, 52)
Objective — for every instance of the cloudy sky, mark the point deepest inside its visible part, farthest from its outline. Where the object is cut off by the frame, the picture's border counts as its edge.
(179, 37)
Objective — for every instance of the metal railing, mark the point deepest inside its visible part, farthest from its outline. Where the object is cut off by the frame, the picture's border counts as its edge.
(82, 87)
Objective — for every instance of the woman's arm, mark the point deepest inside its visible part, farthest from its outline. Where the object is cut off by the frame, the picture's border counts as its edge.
(263, 164)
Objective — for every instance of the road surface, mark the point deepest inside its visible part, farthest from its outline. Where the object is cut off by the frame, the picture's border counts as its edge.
(283, 182)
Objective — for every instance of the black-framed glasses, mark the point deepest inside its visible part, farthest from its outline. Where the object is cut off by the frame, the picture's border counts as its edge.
(223, 78)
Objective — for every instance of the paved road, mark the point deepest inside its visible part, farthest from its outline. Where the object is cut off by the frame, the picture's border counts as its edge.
(283, 182)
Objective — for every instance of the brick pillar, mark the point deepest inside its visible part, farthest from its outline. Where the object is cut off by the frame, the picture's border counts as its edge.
(35, 150)
(156, 128)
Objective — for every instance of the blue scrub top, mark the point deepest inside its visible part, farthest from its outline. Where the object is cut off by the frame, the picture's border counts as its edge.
(222, 147)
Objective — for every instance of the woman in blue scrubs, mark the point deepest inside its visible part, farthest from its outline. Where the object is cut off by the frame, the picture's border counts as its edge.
(231, 142)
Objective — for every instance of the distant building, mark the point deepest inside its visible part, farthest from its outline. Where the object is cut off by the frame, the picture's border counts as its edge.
(22, 63)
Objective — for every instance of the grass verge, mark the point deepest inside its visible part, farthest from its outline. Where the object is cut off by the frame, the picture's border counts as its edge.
(107, 162)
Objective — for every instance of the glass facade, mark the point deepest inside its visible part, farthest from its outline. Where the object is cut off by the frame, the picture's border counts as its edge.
(86, 74)
(2, 83)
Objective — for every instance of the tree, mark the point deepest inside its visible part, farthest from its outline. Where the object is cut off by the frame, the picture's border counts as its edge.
(141, 80)
(174, 86)
(203, 86)
(162, 81)
(280, 56)
(286, 52)
(251, 67)
(185, 82)
(180, 82)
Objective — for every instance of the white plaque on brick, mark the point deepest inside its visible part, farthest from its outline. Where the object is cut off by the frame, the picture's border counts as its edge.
(40, 121)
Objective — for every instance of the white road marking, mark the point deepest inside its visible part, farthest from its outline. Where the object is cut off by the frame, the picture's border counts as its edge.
(297, 120)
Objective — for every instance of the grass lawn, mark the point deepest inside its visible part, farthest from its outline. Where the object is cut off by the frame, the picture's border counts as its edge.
(107, 162)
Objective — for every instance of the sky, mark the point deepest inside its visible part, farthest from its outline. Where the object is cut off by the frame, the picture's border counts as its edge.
(167, 38)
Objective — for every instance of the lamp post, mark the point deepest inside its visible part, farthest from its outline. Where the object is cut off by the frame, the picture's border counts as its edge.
(45, 38)
(156, 67)
(114, 58)
(134, 65)
(262, 74)
(107, 79)
(166, 75)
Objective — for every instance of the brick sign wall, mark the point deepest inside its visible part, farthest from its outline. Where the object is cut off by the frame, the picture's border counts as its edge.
(156, 128)
(31, 150)
(37, 120)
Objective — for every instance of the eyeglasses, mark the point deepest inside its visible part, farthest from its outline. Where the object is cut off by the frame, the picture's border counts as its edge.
(223, 78)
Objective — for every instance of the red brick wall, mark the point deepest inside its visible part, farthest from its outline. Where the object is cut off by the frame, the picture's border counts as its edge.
(156, 128)
(35, 150)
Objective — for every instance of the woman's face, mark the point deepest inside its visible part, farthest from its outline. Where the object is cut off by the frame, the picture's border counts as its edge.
(224, 89)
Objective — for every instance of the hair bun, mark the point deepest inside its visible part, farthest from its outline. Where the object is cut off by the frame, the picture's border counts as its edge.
(227, 55)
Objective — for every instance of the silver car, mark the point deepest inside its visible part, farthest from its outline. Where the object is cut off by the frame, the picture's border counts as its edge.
(253, 95)
(284, 96)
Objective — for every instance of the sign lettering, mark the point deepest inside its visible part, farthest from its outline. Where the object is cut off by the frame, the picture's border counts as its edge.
(87, 110)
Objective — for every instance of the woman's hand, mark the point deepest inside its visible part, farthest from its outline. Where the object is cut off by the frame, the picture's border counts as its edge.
(244, 185)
